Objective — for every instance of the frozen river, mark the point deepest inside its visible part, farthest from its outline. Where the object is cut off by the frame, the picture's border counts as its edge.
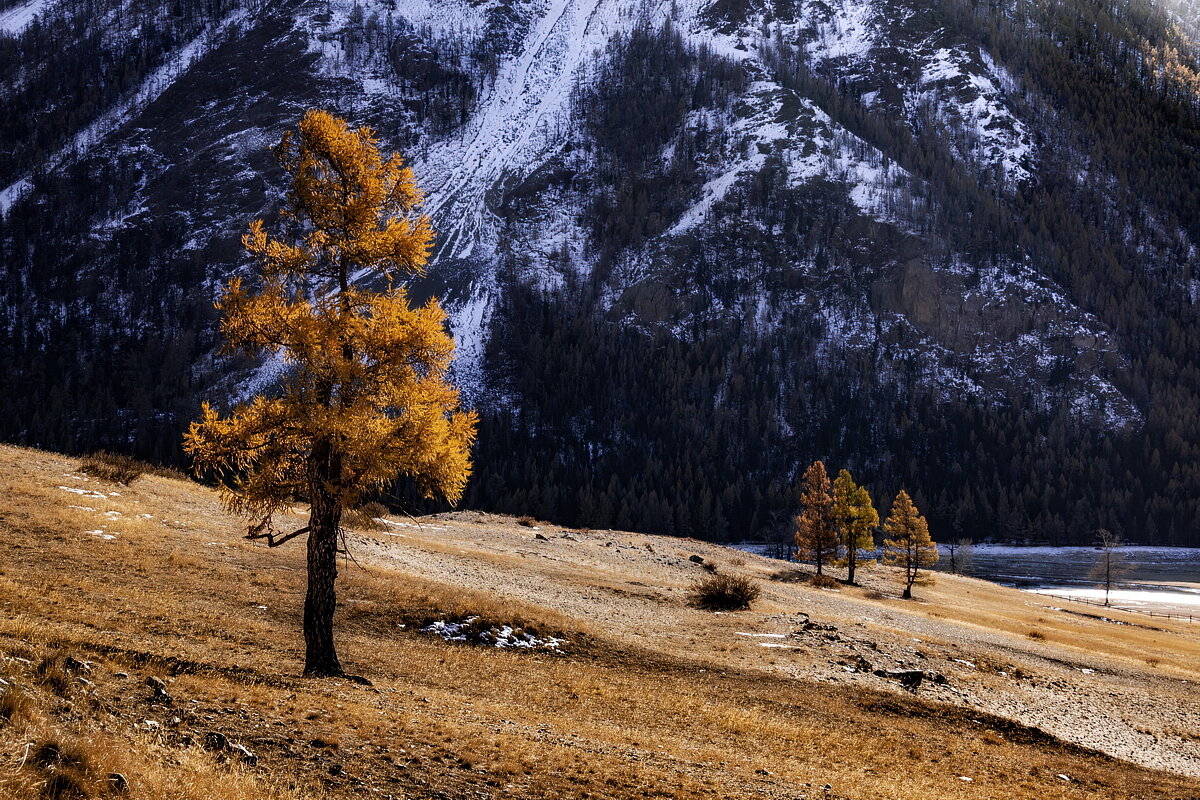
(1165, 579)
(1153, 579)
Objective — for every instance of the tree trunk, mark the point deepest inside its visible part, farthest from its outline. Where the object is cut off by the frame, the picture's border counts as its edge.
(325, 517)
(851, 559)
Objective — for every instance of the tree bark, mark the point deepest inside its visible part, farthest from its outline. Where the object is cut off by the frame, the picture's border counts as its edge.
(325, 517)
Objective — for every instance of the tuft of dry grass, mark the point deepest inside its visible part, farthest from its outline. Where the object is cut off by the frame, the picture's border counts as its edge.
(725, 592)
(824, 581)
(367, 517)
(114, 467)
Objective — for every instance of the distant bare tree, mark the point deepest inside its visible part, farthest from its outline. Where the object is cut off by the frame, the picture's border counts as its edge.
(960, 555)
(780, 536)
(1111, 564)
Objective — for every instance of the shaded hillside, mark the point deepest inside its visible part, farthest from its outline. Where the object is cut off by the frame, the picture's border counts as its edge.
(949, 246)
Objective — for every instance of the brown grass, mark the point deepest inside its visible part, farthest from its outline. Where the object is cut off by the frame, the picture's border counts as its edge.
(686, 713)
(367, 517)
(824, 582)
(724, 592)
(113, 467)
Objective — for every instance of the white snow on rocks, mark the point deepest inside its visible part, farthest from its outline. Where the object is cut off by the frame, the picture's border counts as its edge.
(966, 89)
(502, 636)
(849, 31)
(808, 143)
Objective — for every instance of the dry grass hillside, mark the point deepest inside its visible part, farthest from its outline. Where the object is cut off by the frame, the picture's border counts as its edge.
(148, 651)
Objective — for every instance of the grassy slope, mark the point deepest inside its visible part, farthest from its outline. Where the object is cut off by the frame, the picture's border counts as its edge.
(652, 699)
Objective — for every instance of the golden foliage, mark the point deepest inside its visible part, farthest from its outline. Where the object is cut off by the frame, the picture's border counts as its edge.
(908, 544)
(816, 538)
(1170, 66)
(854, 518)
(366, 371)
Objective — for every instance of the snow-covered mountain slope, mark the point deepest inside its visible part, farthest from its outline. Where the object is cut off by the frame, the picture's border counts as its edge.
(930, 190)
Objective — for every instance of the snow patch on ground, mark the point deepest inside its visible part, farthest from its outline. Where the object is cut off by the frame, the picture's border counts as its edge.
(1131, 598)
(11, 194)
(469, 325)
(501, 636)
(84, 492)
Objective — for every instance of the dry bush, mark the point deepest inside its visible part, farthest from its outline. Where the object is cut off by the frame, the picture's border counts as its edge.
(803, 576)
(366, 516)
(824, 582)
(114, 467)
(527, 521)
(1037, 636)
(724, 593)
(790, 576)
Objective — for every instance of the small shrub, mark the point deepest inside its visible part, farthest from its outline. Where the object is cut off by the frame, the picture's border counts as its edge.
(824, 582)
(527, 521)
(725, 593)
(991, 737)
(114, 467)
(790, 576)
(366, 516)
(1037, 636)
(874, 594)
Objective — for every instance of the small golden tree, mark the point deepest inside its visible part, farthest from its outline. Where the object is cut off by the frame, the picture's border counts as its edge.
(816, 539)
(365, 397)
(854, 519)
(908, 544)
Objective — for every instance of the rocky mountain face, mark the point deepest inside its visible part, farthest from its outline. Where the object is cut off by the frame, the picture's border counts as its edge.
(689, 246)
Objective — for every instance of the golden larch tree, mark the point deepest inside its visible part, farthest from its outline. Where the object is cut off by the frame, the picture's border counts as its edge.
(365, 397)
(854, 519)
(816, 539)
(908, 544)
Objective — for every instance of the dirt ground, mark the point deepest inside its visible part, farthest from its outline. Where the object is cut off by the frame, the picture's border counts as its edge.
(646, 697)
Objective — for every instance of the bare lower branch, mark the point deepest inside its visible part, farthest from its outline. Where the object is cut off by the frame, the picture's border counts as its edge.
(273, 539)
(345, 550)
